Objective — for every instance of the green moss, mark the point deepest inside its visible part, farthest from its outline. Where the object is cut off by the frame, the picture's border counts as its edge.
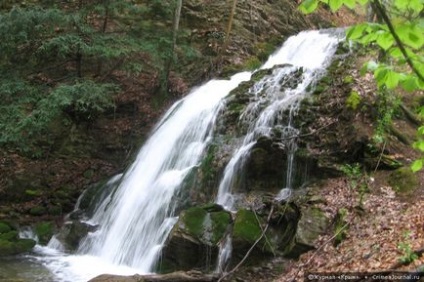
(193, 219)
(258, 75)
(246, 226)
(353, 100)
(8, 248)
(206, 166)
(44, 231)
(38, 211)
(220, 222)
(403, 180)
(9, 236)
(4, 227)
(340, 226)
(264, 49)
(348, 79)
(24, 245)
(252, 63)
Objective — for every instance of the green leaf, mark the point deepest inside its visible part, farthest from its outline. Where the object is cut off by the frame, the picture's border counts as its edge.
(335, 4)
(419, 145)
(410, 84)
(421, 130)
(392, 79)
(308, 6)
(362, 2)
(410, 35)
(417, 165)
(385, 40)
(401, 4)
(350, 3)
(356, 31)
(396, 53)
(380, 75)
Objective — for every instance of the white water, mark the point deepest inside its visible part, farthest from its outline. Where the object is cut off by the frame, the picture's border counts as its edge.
(136, 218)
(312, 51)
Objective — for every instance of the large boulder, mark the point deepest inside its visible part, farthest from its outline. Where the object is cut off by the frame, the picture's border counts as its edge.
(195, 238)
(280, 221)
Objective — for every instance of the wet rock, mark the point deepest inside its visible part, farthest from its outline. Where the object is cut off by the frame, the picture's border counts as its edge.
(194, 240)
(44, 231)
(279, 237)
(10, 243)
(73, 232)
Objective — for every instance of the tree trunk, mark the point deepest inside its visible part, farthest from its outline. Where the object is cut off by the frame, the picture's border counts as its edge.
(171, 57)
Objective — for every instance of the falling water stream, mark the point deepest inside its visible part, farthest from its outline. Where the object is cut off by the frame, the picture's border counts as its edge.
(135, 220)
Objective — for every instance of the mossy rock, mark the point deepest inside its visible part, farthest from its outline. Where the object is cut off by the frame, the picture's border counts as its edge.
(38, 211)
(246, 227)
(73, 232)
(4, 227)
(194, 240)
(206, 224)
(8, 248)
(313, 222)
(246, 231)
(44, 231)
(12, 235)
(403, 180)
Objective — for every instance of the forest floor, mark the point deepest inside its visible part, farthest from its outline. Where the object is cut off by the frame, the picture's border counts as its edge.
(382, 235)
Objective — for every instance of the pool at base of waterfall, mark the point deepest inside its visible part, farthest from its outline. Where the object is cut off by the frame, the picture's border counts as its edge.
(48, 265)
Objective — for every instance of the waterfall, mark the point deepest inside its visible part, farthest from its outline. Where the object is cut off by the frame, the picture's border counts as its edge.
(135, 219)
(308, 54)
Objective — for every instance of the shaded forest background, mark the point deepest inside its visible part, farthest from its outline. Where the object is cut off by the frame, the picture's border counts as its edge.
(83, 82)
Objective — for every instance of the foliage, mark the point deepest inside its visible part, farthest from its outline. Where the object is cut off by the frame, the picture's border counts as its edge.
(353, 100)
(355, 176)
(58, 60)
(408, 255)
(399, 35)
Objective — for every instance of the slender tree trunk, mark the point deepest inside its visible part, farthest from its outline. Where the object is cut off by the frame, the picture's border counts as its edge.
(170, 59)
(218, 61)
(230, 26)
(103, 30)
(177, 15)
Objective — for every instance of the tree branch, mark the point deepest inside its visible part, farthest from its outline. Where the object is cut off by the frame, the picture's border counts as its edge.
(382, 12)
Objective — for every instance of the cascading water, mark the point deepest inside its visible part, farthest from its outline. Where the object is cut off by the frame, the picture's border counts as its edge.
(135, 222)
(136, 218)
(309, 53)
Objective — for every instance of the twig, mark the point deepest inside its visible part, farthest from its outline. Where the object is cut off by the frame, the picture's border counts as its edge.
(262, 229)
(251, 248)
(381, 155)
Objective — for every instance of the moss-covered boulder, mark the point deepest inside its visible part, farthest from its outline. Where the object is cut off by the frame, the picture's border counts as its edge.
(195, 238)
(313, 222)
(278, 239)
(44, 231)
(10, 243)
(403, 180)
